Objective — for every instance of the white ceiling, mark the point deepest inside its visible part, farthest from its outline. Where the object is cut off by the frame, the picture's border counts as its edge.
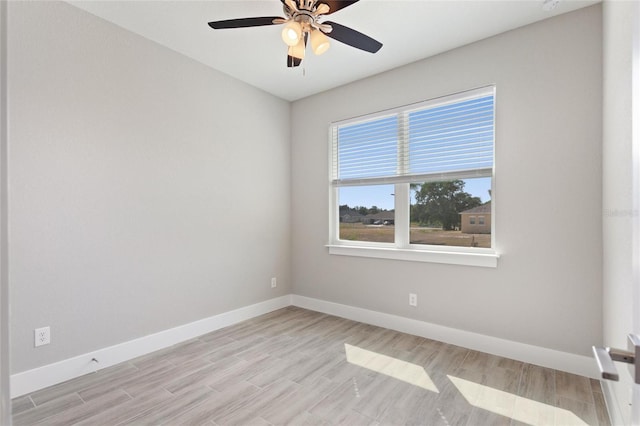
(410, 31)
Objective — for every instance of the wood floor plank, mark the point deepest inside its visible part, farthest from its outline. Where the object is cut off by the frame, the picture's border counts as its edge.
(510, 364)
(307, 397)
(120, 381)
(248, 370)
(451, 407)
(269, 346)
(72, 386)
(84, 411)
(601, 409)
(481, 416)
(20, 404)
(538, 384)
(573, 412)
(354, 418)
(479, 361)
(155, 381)
(235, 348)
(166, 413)
(596, 386)
(337, 405)
(504, 379)
(309, 367)
(116, 414)
(531, 412)
(203, 375)
(215, 404)
(342, 371)
(379, 397)
(573, 387)
(46, 410)
(242, 410)
(447, 359)
(309, 419)
(195, 349)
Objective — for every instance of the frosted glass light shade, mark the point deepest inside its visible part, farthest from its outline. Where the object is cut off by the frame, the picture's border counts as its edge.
(292, 33)
(319, 42)
(297, 51)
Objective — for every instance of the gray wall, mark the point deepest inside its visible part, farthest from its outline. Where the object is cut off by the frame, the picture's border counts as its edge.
(546, 290)
(146, 190)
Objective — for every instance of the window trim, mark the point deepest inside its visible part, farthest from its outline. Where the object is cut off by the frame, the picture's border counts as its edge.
(453, 257)
(402, 249)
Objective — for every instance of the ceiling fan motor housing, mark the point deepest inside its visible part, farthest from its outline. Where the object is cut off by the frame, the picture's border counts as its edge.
(307, 14)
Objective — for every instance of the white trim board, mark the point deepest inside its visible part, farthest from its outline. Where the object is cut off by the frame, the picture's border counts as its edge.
(616, 393)
(51, 374)
(571, 363)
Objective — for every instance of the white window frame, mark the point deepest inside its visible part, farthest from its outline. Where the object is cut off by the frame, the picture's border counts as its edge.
(402, 249)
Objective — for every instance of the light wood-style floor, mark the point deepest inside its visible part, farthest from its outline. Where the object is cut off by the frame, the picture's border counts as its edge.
(295, 366)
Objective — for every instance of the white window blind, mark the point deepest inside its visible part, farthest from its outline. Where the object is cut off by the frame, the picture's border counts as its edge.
(450, 137)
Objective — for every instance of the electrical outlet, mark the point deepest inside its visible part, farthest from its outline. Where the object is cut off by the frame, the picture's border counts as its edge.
(274, 283)
(413, 299)
(42, 336)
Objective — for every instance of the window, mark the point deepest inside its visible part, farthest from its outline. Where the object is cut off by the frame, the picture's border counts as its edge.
(402, 181)
(480, 220)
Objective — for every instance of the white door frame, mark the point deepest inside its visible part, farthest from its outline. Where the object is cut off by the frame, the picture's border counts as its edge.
(621, 180)
(635, 213)
(5, 394)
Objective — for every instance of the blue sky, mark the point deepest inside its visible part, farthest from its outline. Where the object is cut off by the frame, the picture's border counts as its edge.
(380, 195)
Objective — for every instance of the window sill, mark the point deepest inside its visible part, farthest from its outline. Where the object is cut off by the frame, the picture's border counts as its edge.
(488, 260)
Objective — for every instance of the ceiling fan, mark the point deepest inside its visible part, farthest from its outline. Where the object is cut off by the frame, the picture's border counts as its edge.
(304, 22)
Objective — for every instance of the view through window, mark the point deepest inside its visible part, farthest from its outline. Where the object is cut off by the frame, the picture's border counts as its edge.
(445, 213)
(417, 176)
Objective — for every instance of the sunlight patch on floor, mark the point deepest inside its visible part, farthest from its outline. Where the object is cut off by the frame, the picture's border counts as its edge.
(513, 406)
(389, 366)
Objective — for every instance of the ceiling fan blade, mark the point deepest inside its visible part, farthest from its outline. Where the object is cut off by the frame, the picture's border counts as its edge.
(291, 4)
(335, 5)
(243, 22)
(353, 38)
(293, 61)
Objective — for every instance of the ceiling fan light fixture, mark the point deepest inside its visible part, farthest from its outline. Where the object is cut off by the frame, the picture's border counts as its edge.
(297, 51)
(319, 42)
(303, 23)
(292, 33)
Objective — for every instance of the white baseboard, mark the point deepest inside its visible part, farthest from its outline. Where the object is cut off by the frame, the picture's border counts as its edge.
(51, 374)
(571, 363)
(48, 375)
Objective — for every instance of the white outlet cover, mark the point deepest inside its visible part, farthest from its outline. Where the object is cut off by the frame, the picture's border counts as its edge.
(413, 299)
(42, 336)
